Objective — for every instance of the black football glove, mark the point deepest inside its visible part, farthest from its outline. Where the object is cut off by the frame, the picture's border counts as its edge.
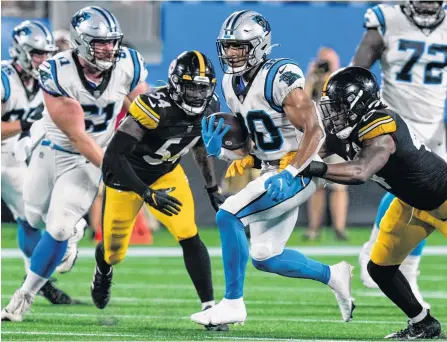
(160, 200)
(215, 196)
(315, 168)
(27, 121)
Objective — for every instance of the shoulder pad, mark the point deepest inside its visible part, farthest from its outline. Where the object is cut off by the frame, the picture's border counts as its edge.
(142, 109)
(6, 86)
(49, 76)
(375, 18)
(283, 76)
(376, 123)
(134, 67)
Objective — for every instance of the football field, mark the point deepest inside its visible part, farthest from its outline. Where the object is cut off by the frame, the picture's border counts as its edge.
(152, 298)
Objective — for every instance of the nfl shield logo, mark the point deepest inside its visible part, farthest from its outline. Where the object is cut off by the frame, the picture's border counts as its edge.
(189, 129)
(96, 93)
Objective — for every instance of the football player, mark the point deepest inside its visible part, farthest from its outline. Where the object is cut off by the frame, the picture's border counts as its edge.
(22, 105)
(84, 90)
(268, 95)
(142, 165)
(379, 145)
(409, 42)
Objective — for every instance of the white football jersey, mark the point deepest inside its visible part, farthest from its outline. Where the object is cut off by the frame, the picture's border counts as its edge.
(62, 75)
(414, 64)
(17, 101)
(271, 131)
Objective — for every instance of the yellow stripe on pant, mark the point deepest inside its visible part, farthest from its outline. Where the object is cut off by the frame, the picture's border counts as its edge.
(402, 228)
(120, 210)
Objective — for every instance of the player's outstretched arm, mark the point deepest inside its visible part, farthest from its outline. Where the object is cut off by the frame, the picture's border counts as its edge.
(369, 50)
(116, 158)
(68, 116)
(301, 112)
(371, 158)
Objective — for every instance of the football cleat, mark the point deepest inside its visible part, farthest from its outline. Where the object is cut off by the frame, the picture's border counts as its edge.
(220, 327)
(71, 255)
(428, 328)
(19, 304)
(55, 295)
(340, 283)
(226, 312)
(101, 288)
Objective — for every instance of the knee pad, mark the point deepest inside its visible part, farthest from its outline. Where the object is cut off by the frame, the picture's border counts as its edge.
(34, 218)
(261, 251)
(381, 274)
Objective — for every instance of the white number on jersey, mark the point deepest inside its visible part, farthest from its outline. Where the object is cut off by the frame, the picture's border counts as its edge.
(165, 154)
(160, 102)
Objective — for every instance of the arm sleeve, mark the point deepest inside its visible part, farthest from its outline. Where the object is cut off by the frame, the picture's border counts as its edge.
(48, 79)
(116, 158)
(375, 124)
(139, 69)
(375, 19)
(283, 77)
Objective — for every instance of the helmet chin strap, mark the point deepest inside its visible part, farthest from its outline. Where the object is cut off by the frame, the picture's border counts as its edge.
(345, 132)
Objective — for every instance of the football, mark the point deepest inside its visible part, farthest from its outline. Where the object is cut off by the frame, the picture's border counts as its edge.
(237, 136)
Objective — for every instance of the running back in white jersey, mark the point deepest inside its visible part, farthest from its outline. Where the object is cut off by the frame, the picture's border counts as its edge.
(414, 65)
(17, 101)
(273, 134)
(62, 76)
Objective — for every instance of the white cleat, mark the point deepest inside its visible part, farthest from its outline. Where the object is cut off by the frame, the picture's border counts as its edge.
(340, 283)
(364, 258)
(71, 254)
(228, 311)
(19, 304)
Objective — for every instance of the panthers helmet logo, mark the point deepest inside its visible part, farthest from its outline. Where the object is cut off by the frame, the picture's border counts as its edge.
(260, 20)
(79, 18)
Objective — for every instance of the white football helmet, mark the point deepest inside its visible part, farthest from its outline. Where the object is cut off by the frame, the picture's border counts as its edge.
(247, 30)
(31, 37)
(95, 24)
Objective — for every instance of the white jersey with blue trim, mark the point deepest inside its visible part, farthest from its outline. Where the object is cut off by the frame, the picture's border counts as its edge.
(62, 76)
(414, 64)
(260, 103)
(17, 101)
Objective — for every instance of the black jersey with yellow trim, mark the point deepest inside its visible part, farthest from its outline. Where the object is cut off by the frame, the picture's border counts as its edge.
(169, 133)
(413, 173)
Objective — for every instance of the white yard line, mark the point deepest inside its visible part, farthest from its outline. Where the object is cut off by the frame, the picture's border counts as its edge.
(13, 253)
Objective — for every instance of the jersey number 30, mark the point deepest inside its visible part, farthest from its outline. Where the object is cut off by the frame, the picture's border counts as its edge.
(267, 136)
(433, 70)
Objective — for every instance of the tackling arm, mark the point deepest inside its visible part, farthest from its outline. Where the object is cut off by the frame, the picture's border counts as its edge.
(68, 116)
(372, 158)
(206, 165)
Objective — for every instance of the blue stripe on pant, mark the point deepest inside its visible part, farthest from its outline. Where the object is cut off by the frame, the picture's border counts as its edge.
(383, 207)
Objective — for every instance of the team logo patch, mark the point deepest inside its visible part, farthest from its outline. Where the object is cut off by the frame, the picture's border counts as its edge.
(44, 76)
(289, 77)
(23, 31)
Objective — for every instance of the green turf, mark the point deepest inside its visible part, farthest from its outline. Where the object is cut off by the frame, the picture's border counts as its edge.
(152, 299)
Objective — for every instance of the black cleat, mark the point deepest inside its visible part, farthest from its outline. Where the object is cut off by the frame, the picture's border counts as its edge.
(101, 288)
(428, 328)
(220, 327)
(55, 295)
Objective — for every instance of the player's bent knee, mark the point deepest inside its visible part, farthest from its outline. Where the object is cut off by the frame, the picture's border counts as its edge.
(34, 218)
(114, 258)
(261, 251)
(60, 233)
(381, 274)
(225, 219)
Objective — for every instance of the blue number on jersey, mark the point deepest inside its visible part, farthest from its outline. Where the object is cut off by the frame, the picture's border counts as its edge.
(63, 61)
(274, 141)
(102, 117)
(433, 70)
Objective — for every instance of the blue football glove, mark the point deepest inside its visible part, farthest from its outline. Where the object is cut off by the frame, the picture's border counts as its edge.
(212, 137)
(279, 185)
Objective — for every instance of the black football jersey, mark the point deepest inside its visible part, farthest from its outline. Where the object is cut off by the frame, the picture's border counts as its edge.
(169, 134)
(413, 173)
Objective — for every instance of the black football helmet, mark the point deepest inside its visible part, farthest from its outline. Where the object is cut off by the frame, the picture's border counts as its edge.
(192, 81)
(348, 94)
(426, 14)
